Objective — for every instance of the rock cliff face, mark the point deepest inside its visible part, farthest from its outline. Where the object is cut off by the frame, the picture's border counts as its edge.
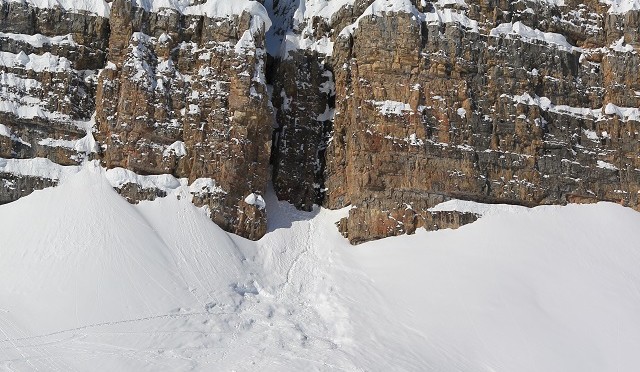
(389, 106)
(186, 95)
(152, 89)
(527, 103)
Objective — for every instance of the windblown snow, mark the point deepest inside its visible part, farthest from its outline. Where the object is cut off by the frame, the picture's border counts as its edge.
(91, 282)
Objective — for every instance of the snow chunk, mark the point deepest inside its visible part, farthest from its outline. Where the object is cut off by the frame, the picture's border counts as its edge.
(35, 62)
(255, 199)
(605, 165)
(625, 113)
(178, 148)
(39, 40)
(461, 112)
(205, 186)
(620, 46)
(6, 132)
(119, 177)
(391, 107)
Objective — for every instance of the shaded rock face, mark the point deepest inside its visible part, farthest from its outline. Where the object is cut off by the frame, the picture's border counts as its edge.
(16, 186)
(303, 93)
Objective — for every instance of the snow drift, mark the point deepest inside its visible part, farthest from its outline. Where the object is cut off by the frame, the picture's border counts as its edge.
(90, 282)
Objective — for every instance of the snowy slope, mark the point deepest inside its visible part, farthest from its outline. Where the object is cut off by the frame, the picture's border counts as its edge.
(92, 283)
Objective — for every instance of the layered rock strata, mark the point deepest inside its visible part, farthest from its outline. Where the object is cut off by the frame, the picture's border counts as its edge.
(501, 102)
(389, 107)
(150, 87)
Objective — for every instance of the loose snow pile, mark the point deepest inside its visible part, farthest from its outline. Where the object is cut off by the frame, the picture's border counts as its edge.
(90, 282)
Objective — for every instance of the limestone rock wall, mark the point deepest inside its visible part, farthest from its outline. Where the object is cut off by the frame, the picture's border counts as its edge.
(179, 91)
(388, 106)
(186, 95)
(520, 103)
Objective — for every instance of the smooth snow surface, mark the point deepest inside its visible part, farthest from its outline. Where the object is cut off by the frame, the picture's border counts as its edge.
(92, 283)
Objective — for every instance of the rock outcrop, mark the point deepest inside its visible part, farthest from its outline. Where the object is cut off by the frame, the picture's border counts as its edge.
(177, 91)
(186, 95)
(500, 102)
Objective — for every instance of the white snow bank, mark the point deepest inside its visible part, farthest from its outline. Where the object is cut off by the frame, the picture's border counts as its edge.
(91, 282)
(84, 257)
(39, 40)
(622, 6)
(11, 83)
(98, 7)
(37, 167)
(209, 8)
(529, 34)
(477, 208)
(624, 113)
(31, 110)
(35, 62)
(86, 144)
(118, 177)
(205, 186)
(543, 289)
(438, 16)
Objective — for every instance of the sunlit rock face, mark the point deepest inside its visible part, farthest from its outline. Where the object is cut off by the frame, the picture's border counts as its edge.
(526, 103)
(386, 106)
(155, 90)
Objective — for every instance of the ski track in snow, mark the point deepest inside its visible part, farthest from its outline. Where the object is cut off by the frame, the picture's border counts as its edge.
(91, 282)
